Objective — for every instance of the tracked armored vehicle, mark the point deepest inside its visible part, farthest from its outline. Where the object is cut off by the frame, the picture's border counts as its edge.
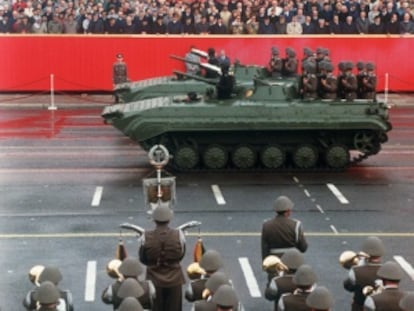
(262, 126)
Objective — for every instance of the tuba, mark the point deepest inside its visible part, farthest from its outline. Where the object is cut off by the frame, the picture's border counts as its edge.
(112, 269)
(273, 264)
(348, 259)
(194, 271)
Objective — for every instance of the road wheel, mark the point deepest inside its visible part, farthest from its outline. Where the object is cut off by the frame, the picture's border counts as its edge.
(273, 156)
(366, 142)
(337, 156)
(186, 157)
(244, 157)
(215, 157)
(305, 156)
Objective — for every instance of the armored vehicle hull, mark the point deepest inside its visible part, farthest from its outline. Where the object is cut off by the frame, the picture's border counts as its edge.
(266, 127)
(176, 85)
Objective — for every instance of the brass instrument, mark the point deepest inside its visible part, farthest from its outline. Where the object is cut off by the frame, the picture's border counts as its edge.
(206, 293)
(273, 264)
(194, 271)
(373, 290)
(112, 269)
(348, 259)
(34, 274)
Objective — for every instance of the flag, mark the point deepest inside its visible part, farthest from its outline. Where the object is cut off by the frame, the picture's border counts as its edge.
(199, 250)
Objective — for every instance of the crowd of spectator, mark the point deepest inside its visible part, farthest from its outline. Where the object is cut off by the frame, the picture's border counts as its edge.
(204, 17)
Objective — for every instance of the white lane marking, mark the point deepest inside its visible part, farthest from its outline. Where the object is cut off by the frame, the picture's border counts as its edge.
(90, 282)
(338, 194)
(307, 193)
(295, 179)
(217, 194)
(334, 229)
(97, 196)
(320, 209)
(405, 265)
(249, 277)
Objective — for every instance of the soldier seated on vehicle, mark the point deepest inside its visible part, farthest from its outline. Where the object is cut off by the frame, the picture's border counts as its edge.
(328, 83)
(349, 82)
(309, 81)
(369, 82)
(226, 83)
(275, 64)
(290, 64)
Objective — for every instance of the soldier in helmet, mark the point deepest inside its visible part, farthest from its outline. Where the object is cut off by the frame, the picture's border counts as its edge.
(407, 302)
(282, 283)
(369, 82)
(308, 56)
(389, 298)
(212, 284)
(348, 83)
(130, 304)
(328, 83)
(290, 63)
(304, 279)
(49, 274)
(365, 273)
(225, 299)
(162, 250)
(275, 63)
(130, 288)
(47, 296)
(210, 262)
(309, 81)
(361, 74)
(340, 76)
(130, 268)
(320, 299)
(282, 232)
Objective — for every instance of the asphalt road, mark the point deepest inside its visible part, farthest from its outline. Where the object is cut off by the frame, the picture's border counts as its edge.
(67, 181)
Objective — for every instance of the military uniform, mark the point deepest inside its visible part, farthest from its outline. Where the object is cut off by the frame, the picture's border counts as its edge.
(303, 279)
(389, 298)
(161, 250)
(226, 84)
(290, 63)
(309, 81)
(328, 83)
(212, 60)
(360, 76)
(320, 299)
(119, 69)
(210, 262)
(364, 274)
(275, 64)
(369, 83)
(349, 83)
(130, 268)
(47, 297)
(282, 233)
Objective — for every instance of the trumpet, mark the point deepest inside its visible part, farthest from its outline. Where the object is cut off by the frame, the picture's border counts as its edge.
(372, 290)
(112, 269)
(194, 271)
(348, 259)
(273, 264)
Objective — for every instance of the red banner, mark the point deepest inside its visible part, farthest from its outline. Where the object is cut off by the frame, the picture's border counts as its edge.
(84, 62)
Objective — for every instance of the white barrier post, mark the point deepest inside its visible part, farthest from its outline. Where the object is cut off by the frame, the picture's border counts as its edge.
(52, 93)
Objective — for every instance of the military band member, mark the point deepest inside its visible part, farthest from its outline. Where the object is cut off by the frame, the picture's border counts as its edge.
(130, 288)
(130, 304)
(162, 250)
(275, 64)
(309, 81)
(282, 283)
(48, 298)
(225, 299)
(304, 280)
(290, 64)
(369, 83)
(407, 302)
(389, 297)
(365, 272)
(320, 299)
(328, 83)
(49, 274)
(282, 232)
(212, 284)
(130, 268)
(210, 262)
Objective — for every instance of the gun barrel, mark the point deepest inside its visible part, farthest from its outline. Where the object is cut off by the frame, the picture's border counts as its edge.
(195, 77)
(185, 60)
(199, 53)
